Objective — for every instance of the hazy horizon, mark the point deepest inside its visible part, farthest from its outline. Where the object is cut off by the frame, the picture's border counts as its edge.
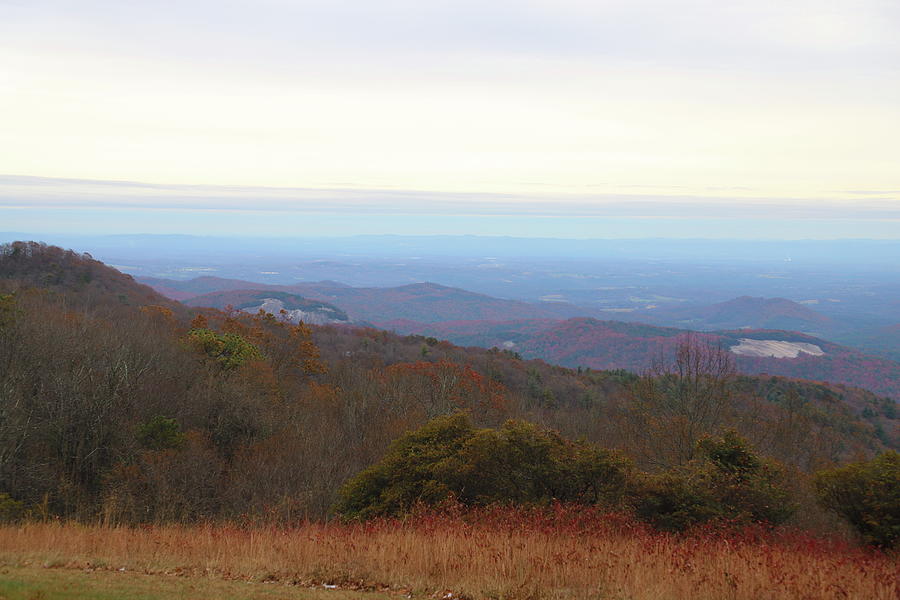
(562, 119)
(97, 207)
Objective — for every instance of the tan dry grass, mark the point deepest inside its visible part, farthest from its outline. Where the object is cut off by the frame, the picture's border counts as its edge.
(35, 583)
(493, 554)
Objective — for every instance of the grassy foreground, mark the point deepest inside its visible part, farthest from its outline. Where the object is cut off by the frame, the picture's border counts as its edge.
(36, 583)
(562, 553)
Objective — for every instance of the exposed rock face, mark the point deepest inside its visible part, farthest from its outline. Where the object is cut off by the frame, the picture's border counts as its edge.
(775, 348)
(296, 308)
(320, 315)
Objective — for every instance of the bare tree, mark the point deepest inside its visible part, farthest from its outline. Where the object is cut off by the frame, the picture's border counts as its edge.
(680, 399)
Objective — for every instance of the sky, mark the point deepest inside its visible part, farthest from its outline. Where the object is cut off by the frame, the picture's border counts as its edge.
(572, 119)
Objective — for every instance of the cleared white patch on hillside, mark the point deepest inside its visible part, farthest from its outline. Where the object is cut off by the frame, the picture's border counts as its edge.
(322, 316)
(775, 348)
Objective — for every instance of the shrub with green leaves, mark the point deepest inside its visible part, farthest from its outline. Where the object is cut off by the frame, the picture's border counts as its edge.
(7, 309)
(517, 463)
(11, 510)
(229, 349)
(160, 433)
(867, 494)
(728, 482)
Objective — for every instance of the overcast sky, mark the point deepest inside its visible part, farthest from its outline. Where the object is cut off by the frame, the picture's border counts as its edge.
(767, 110)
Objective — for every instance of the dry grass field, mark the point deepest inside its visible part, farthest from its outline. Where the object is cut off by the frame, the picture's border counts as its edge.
(37, 583)
(496, 553)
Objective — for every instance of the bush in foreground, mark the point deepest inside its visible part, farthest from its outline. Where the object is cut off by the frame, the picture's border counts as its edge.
(728, 482)
(11, 510)
(867, 494)
(522, 464)
(518, 463)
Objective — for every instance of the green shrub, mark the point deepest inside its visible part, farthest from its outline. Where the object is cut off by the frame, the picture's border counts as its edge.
(10, 510)
(229, 349)
(518, 463)
(7, 309)
(867, 494)
(675, 500)
(728, 482)
(160, 433)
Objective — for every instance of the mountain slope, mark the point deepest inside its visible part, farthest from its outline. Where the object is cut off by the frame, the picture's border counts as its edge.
(425, 302)
(420, 302)
(744, 312)
(297, 308)
(130, 414)
(539, 331)
(183, 290)
(82, 278)
(633, 346)
(883, 341)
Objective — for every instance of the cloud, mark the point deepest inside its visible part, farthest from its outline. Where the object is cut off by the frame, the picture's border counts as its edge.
(772, 99)
(38, 193)
(770, 35)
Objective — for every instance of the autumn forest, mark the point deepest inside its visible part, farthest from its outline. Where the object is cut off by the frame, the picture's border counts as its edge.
(120, 407)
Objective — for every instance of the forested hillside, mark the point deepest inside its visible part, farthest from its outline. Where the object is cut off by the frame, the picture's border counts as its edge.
(151, 411)
(565, 334)
(84, 281)
(633, 346)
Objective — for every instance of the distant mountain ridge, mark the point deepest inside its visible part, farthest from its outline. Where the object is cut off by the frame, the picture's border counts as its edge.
(743, 312)
(420, 302)
(619, 345)
(205, 284)
(296, 308)
(564, 334)
(884, 341)
(747, 312)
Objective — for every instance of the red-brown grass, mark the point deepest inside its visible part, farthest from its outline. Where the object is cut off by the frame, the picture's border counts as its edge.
(561, 552)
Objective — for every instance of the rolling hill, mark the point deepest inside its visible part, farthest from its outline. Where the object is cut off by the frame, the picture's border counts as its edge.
(296, 307)
(185, 289)
(420, 302)
(883, 341)
(744, 312)
(104, 398)
(561, 333)
(618, 345)
(85, 281)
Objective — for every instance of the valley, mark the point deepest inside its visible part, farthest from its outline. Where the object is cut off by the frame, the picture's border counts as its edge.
(767, 335)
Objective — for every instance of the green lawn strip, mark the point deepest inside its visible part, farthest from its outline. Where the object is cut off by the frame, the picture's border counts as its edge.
(35, 583)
